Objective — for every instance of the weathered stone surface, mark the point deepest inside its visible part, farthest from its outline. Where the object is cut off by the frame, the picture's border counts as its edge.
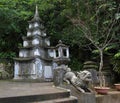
(70, 99)
(36, 54)
(5, 70)
(21, 92)
(37, 59)
(82, 97)
(80, 80)
(111, 97)
(58, 76)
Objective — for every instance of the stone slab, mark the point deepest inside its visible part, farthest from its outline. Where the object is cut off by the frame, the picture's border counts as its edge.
(70, 99)
(20, 92)
(111, 97)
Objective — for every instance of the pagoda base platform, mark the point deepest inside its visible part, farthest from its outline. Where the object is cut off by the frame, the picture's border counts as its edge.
(30, 92)
(32, 80)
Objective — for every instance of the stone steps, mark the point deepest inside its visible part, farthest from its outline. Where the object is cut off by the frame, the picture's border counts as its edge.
(70, 99)
(32, 98)
(12, 92)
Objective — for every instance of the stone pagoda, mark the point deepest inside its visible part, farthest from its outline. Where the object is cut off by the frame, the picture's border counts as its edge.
(37, 59)
(36, 56)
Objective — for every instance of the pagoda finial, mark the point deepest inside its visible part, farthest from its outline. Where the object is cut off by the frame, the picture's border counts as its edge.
(36, 12)
(60, 41)
(36, 16)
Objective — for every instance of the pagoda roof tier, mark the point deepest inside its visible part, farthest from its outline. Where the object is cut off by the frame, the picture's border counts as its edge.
(41, 27)
(23, 59)
(47, 59)
(35, 20)
(60, 44)
(33, 36)
(32, 58)
(63, 60)
(34, 46)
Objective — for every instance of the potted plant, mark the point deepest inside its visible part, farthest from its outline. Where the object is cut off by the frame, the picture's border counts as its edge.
(102, 89)
(117, 86)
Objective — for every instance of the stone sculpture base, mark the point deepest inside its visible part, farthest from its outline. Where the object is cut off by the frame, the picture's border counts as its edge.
(82, 97)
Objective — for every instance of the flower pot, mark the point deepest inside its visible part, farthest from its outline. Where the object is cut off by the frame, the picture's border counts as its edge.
(102, 90)
(117, 86)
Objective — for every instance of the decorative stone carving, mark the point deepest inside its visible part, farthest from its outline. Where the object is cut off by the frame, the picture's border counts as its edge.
(44, 34)
(30, 26)
(39, 69)
(28, 33)
(4, 74)
(50, 52)
(79, 80)
(47, 42)
(36, 52)
(36, 24)
(61, 53)
(25, 43)
(21, 54)
(35, 41)
(36, 32)
(16, 72)
(48, 73)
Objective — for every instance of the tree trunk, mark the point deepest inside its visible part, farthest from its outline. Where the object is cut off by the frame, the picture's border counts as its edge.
(101, 77)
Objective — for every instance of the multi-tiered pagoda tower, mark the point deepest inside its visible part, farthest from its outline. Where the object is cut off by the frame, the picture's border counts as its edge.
(36, 56)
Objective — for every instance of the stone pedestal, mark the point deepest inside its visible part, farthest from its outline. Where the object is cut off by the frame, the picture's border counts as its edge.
(82, 97)
(58, 76)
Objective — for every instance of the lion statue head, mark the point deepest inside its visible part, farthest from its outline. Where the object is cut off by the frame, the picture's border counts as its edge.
(85, 75)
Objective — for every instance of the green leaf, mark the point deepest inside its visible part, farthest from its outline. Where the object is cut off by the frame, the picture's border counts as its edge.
(117, 55)
(111, 47)
(117, 16)
(95, 51)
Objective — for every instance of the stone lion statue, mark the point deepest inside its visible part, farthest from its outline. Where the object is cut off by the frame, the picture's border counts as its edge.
(78, 80)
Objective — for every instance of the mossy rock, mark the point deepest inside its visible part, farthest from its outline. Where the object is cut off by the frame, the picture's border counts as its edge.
(4, 74)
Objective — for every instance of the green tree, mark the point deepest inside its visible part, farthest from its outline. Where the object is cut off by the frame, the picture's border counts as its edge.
(98, 26)
(57, 16)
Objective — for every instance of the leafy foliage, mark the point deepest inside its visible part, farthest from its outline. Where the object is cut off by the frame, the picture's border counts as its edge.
(117, 55)
(76, 65)
(56, 15)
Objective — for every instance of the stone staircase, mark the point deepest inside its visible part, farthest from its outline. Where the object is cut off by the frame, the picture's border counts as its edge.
(70, 99)
(63, 97)
(35, 93)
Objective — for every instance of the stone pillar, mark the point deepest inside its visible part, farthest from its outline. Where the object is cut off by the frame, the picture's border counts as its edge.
(60, 52)
(16, 71)
(67, 53)
(54, 53)
(58, 76)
